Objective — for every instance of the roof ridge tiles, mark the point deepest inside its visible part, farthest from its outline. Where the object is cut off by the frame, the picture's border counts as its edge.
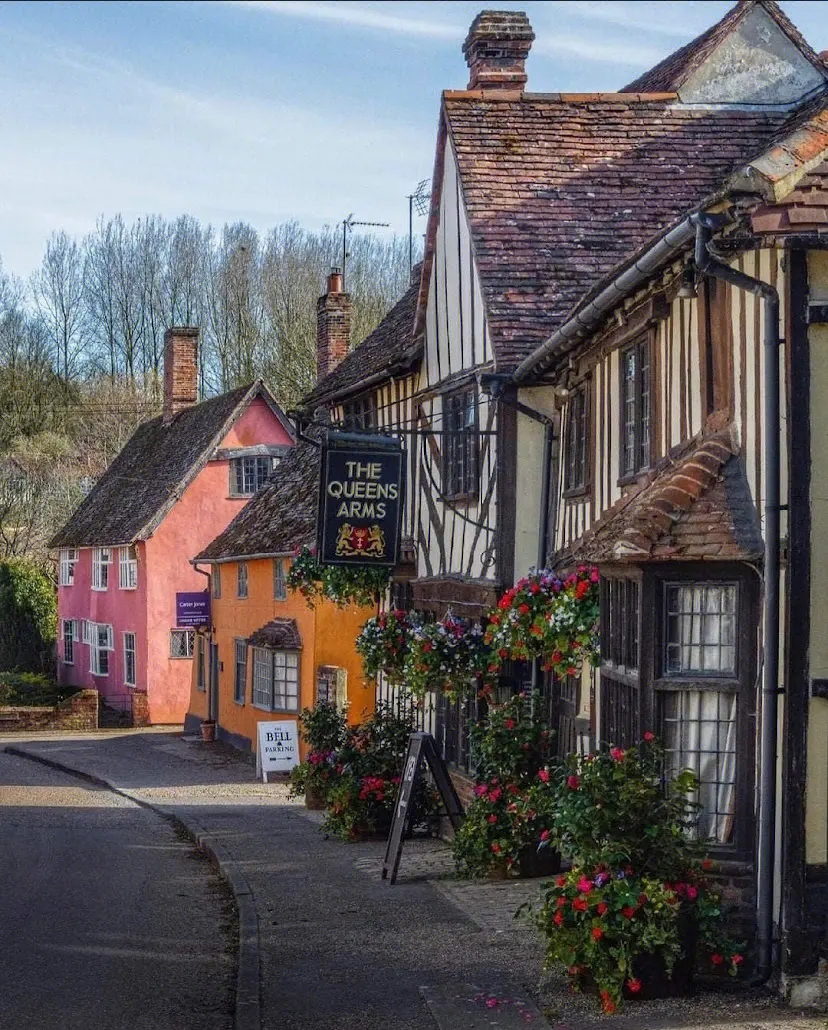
(511, 95)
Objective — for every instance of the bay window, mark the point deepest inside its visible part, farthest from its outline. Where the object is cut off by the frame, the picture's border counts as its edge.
(275, 680)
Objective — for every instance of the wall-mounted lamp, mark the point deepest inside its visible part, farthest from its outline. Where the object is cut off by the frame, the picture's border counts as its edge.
(687, 290)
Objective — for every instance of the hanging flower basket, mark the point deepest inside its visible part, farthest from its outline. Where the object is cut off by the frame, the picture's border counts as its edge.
(341, 584)
(446, 656)
(383, 644)
(549, 617)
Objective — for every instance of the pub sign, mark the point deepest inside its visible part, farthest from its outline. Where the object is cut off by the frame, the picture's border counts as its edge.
(360, 499)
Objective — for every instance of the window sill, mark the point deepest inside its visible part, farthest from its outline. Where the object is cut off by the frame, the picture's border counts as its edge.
(68, 663)
(632, 477)
(181, 657)
(460, 498)
(100, 675)
(201, 690)
(577, 493)
(240, 704)
(100, 590)
(129, 588)
(240, 497)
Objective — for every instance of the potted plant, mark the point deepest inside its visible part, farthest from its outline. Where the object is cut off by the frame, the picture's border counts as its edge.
(208, 730)
(637, 902)
(342, 584)
(324, 729)
(547, 616)
(505, 831)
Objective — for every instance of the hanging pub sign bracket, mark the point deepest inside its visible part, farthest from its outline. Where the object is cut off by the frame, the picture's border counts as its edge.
(360, 500)
(422, 750)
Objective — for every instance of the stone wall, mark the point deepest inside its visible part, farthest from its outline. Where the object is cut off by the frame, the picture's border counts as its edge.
(79, 712)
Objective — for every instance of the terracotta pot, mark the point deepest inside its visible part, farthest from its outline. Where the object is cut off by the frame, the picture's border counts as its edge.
(499, 871)
(208, 731)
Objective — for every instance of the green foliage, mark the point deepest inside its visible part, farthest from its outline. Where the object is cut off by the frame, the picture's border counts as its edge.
(513, 741)
(383, 644)
(28, 617)
(341, 584)
(447, 656)
(638, 886)
(31, 688)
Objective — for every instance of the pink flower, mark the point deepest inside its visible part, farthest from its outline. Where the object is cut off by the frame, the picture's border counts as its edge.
(633, 986)
(492, 819)
(692, 893)
(492, 1003)
(480, 790)
(573, 782)
(649, 736)
(584, 885)
(716, 958)
(509, 724)
(495, 795)
(617, 754)
(543, 774)
(545, 835)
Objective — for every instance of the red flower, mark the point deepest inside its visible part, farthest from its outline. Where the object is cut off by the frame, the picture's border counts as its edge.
(503, 653)
(649, 736)
(608, 1005)
(427, 646)
(545, 835)
(534, 588)
(580, 904)
(558, 918)
(628, 911)
(560, 881)
(716, 958)
(556, 657)
(561, 903)
(480, 790)
(737, 959)
(509, 724)
(494, 620)
(707, 864)
(602, 908)
(617, 754)
(633, 986)
(523, 609)
(571, 670)
(692, 893)
(543, 774)
(584, 885)
(642, 900)
(495, 795)
(495, 848)
(492, 819)
(597, 933)
(582, 590)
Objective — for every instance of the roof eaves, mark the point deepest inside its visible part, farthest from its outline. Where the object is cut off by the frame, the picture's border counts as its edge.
(776, 172)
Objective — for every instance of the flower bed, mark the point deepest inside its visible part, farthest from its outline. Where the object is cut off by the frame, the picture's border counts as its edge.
(547, 617)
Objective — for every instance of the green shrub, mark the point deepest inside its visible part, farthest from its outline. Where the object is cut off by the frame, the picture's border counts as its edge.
(324, 729)
(28, 617)
(31, 688)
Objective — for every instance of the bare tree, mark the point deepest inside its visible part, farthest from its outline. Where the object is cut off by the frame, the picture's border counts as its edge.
(58, 291)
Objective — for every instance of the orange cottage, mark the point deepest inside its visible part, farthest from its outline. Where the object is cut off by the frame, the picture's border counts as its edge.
(267, 654)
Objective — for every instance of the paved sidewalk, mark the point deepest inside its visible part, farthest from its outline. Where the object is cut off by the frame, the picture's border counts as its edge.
(339, 948)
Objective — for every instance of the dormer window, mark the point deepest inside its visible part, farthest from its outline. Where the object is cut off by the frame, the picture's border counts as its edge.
(101, 560)
(249, 474)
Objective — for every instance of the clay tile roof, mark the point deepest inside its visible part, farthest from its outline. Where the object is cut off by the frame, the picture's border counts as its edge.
(805, 209)
(676, 69)
(391, 346)
(145, 479)
(278, 634)
(562, 191)
(281, 518)
(697, 507)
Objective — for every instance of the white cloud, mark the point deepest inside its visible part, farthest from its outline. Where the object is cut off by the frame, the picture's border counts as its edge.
(360, 17)
(587, 47)
(623, 15)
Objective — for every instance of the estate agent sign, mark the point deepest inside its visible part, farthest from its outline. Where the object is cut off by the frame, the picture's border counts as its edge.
(278, 747)
(361, 496)
(192, 609)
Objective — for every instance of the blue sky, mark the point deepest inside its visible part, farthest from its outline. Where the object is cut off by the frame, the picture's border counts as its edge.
(264, 110)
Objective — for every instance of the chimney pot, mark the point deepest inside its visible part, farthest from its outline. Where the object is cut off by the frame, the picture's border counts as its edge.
(180, 370)
(335, 280)
(496, 49)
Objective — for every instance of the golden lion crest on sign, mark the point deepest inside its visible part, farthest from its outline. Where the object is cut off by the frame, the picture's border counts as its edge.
(365, 541)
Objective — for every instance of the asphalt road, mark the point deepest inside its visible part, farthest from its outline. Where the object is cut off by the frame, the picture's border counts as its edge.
(108, 920)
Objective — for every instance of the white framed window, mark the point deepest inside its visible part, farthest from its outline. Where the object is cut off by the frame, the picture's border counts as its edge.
(279, 580)
(101, 643)
(201, 659)
(182, 642)
(70, 636)
(240, 677)
(275, 680)
(248, 475)
(129, 659)
(101, 560)
(128, 567)
(85, 632)
(216, 581)
(68, 560)
(241, 580)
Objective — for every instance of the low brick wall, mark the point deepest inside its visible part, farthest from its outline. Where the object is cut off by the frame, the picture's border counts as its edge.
(79, 712)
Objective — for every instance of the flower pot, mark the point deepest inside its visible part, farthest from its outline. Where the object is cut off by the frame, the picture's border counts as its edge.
(315, 799)
(208, 731)
(533, 862)
(499, 871)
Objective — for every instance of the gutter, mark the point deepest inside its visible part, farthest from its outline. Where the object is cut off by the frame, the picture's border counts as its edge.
(580, 324)
(708, 265)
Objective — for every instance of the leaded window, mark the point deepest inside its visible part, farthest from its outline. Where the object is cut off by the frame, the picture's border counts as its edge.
(620, 696)
(576, 466)
(635, 408)
(275, 680)
(279, 580)
(460, 445)
(249, 474)
(360, 414)
(241, 579)
(182, 642)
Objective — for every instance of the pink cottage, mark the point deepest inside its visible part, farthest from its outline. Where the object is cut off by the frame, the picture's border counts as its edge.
(124, 553)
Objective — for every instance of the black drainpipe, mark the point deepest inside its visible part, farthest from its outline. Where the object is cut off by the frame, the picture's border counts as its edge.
(707, 264)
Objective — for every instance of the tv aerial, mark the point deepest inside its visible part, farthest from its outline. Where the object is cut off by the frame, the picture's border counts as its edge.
(419, 201)
(348, 225)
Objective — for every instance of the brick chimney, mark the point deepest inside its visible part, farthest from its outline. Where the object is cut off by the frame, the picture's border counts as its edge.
(496, 49)
(180, 370)
(333, 325)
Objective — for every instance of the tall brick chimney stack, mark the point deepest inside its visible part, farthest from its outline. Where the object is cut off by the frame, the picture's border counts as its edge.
(333, 325)
(496, 49)
(180, 370)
